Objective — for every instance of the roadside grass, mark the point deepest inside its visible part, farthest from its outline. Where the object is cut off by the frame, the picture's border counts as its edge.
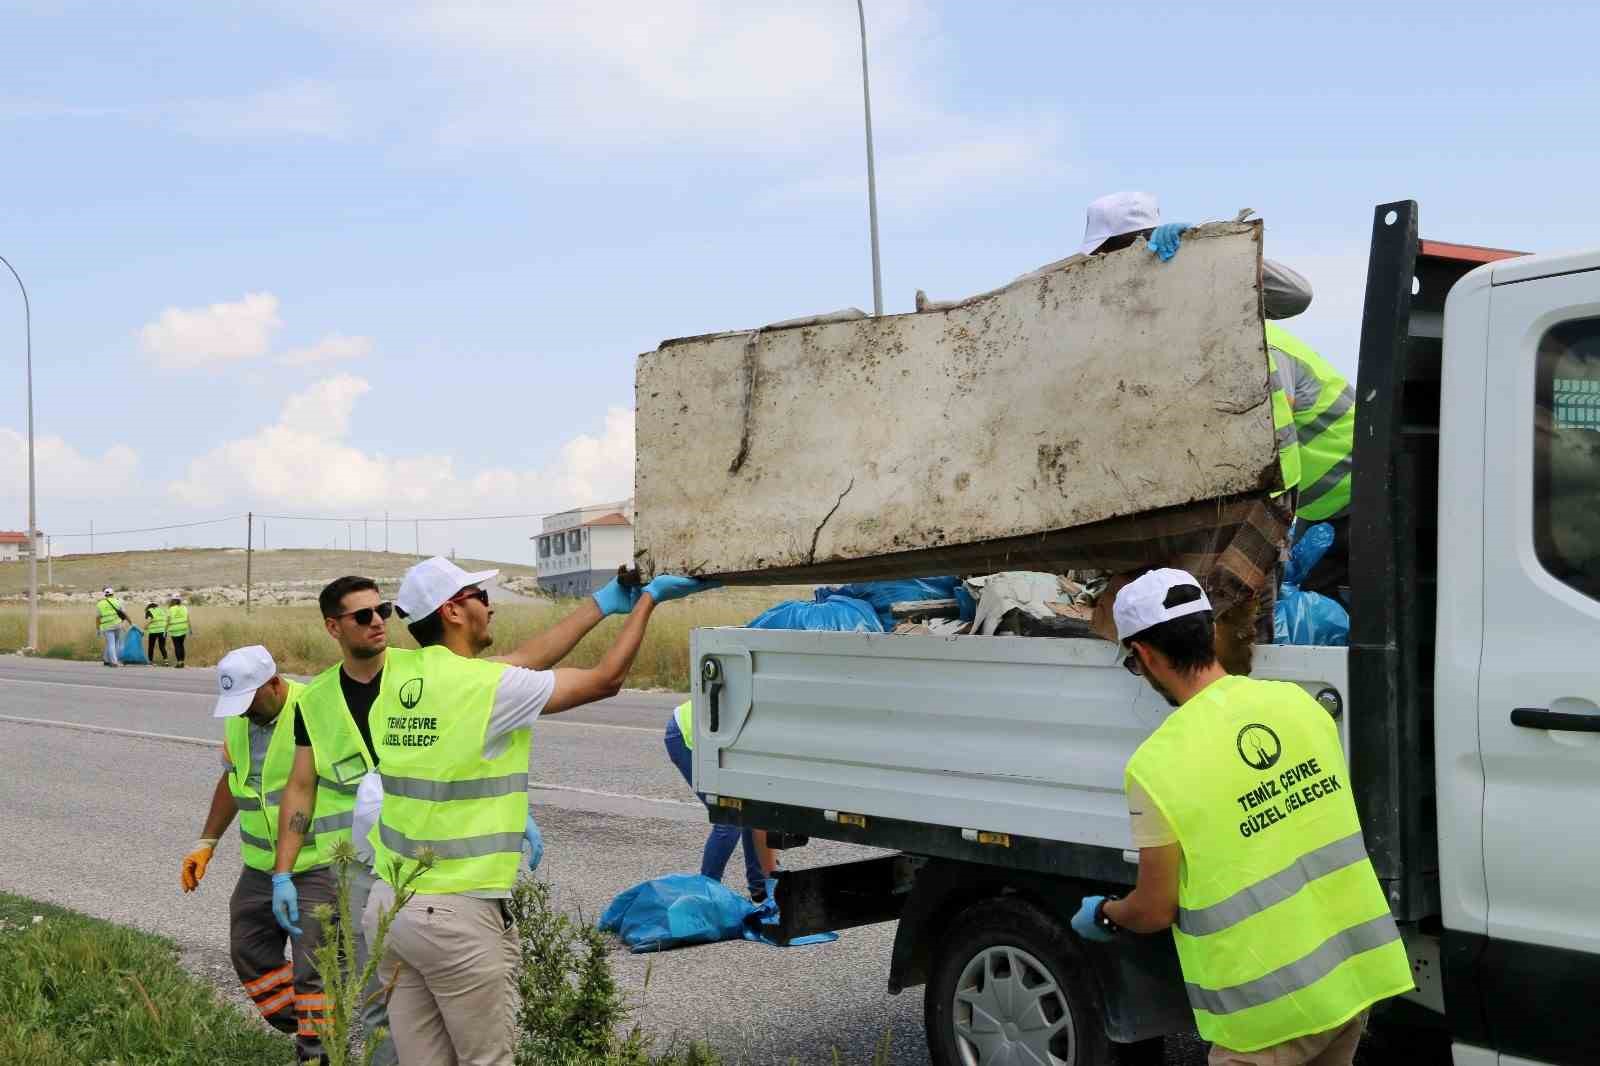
(297, 640)
(75, 990)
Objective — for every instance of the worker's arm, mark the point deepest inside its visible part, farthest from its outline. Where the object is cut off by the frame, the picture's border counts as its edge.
(543, 650)
(223, 809)
(574, 688)
(296, 809)
(1153, 904)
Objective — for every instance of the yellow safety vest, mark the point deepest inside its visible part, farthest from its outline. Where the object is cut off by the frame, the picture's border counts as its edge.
(178, 621)
(1326, 430)
(1283, 929)
(684, 713)
(258, 806)
(341, 755)
(439, 792)
(1283, 428)
(108, 608)
(158, 621)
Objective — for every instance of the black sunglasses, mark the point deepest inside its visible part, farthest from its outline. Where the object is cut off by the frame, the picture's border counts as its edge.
(481, 595)
(1133, 665)
(363, 615)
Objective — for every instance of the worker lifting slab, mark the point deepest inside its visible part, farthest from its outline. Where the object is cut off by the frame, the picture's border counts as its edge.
(1109, 413)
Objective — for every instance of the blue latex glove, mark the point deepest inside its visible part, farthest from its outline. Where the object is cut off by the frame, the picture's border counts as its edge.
(1083, 922)
(1164, 241)
(285, 902)
(671, 587)
(616, 598)
(535, 839)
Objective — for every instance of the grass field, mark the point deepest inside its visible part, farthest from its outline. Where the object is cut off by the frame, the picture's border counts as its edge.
(300, 645)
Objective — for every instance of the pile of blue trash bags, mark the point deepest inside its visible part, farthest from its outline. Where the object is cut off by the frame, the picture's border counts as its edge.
(863, 607)
(680, 910)
(1308, 617)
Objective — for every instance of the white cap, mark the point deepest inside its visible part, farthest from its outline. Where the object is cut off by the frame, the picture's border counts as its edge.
(106, 591)
(1143, 602)
(1116, 214)
(431, 582)
(239, 674)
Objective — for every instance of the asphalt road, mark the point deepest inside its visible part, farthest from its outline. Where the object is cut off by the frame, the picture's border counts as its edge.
(105, 776)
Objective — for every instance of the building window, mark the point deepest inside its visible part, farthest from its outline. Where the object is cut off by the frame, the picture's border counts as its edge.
(1566, 524)
(575, 539)
(544, 547)
(561, 543)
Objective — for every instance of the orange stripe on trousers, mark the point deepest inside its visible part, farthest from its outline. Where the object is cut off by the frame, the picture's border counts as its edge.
(268, 981)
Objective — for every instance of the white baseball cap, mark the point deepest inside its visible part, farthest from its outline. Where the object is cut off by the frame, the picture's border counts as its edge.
(239, 674)
(431, 582)
(106, 591)
(1118, 213)
(1143, 602)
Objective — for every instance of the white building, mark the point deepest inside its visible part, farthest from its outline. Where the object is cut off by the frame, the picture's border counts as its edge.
(14, 545)
(579, 550)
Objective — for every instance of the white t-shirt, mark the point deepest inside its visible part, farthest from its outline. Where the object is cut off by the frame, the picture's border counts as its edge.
(1150, 827)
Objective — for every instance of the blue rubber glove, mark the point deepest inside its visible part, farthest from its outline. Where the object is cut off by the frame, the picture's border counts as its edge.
(535, 839)
(671, 587)
(1164, 241)
(285, 902)
(1083, 922)
(616, 598)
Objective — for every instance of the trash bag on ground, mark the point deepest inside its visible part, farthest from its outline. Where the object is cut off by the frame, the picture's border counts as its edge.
(842, 614)
(675, 911)
(132, 651)
(883, 595)
(1308, 618)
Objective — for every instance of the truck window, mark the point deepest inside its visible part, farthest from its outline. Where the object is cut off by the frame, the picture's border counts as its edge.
(1567, 455)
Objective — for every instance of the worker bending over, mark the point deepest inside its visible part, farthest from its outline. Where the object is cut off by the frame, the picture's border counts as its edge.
(760, 861)
(257, 752)
(1250, 849)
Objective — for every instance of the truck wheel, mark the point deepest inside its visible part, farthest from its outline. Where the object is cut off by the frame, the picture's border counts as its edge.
(1009, 986)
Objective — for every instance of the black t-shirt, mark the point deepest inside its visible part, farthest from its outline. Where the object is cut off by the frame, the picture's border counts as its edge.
(359, 697)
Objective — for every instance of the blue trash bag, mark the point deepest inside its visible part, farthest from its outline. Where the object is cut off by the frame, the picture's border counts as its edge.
(884, 594)
(132, 651)
(676, 911)
(1308, 618)
(838, 613)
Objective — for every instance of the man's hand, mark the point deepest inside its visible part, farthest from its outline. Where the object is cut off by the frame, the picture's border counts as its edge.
(1164, 241)
(285, 903)
(195, 863)
(1084, 924)
(671, 587)
(535, 839)
(616, 598)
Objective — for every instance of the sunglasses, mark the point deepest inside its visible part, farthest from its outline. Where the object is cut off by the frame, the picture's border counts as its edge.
(363, 616)
(481, 595)
(1133, 665)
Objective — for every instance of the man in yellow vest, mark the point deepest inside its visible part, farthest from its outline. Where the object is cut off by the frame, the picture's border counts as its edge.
(452, 737)
(1250, 850)
(109, 616)
(178, 628)
(257, 752)
(155, 622)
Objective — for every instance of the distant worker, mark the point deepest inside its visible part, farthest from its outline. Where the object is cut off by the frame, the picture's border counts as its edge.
(257, 752)
(155, 627)
(109, 616)
(178, 628)
(759, 860)
(453, 750)
(1250, 849)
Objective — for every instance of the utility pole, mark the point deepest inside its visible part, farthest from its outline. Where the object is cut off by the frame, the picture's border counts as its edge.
(416, 531)
(33, 516)
(366, 545)
(50, 561)
(91, 536)
(872, 176)
(249, 550)
(386, 532)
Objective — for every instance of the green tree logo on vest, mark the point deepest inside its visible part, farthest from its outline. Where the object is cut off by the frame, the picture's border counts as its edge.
(1258, 746)
(411, 693)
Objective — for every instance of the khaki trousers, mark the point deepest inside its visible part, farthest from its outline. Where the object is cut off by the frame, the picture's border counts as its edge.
(452, 962)
(1336, 1047)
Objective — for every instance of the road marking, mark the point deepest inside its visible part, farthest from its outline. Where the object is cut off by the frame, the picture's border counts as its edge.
(202, 742)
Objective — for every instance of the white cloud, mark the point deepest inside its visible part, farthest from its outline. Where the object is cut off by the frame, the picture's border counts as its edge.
(332, 348)
(306, 460)
(63, 472)
(301, 108)
(182, 338)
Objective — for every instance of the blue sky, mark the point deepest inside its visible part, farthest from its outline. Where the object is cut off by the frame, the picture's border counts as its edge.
(334, 259)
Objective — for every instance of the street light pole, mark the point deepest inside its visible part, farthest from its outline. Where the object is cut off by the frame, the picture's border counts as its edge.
(872, 176)
(33, 518)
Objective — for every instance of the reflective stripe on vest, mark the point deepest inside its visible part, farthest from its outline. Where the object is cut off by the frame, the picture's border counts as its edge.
(440, 793)
(158, 621)
(1326, 431)
(1283, 428)
(109, 618)
(341, 756)
(258, 807)
(1283, 929)
(178, 621)
(684, 713)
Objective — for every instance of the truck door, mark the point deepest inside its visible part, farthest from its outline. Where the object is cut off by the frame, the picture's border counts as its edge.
(1539, 687)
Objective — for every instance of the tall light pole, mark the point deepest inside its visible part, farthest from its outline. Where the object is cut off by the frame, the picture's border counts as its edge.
(872, 176)
(33, 518)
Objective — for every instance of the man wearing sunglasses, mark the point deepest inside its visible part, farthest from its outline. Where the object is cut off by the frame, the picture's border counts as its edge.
(452, 735)
(1250, 850)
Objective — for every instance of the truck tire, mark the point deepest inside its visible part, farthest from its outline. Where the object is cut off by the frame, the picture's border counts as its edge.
(1010, 985)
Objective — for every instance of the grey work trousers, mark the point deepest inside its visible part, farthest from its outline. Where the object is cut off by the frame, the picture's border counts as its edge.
(288, 995)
